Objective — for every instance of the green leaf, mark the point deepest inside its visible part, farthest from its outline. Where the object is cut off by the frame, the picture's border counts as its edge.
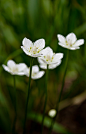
(47, 122)
(81, 29)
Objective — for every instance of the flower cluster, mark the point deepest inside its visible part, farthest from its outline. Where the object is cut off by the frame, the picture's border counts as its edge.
(22, 69)
(47, 60)
(45, 56)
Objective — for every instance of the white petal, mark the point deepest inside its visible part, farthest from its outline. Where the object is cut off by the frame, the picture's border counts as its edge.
(40, 44)
(71, 48)
(61, 38)
(65, 46)
(25, 50)
(21, 66)
(79, 43)
(57, 57)
(6, 68)
(30, 54)
(27, 71)
(43, 66)
(35, 69)
(11, 64)
(52, 66)
(44, 60)
(38, 75)
(46, 51)
(20, 73)
(27, 43)
(74, 48)
(37, 54)
(71, 37)
(40, 60)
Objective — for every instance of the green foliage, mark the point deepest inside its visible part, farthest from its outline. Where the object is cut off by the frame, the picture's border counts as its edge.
(47, 121)
(37, 19)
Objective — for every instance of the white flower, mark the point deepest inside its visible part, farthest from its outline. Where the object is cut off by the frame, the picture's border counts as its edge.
(70, 41)
(36, 74)
(43, 65)
(33, 49)
(13, 68)
(52, 113)
(48, 57)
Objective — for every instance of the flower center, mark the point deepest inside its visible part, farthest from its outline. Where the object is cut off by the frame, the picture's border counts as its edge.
(34, 73)
(69, 42)
(14, 69)
(34, 50)
(48, 57)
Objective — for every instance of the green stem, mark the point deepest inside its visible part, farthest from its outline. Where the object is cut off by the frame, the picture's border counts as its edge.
(14, 123)
(28, 94)
(46, 81)
(59, 99)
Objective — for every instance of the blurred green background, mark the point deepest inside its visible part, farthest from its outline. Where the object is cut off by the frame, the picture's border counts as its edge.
(37, 19)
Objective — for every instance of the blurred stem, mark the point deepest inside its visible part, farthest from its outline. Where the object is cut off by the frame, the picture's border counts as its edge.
(28, 94)
(38, 109)
(59, 99)
(46, 81)
(14, 123)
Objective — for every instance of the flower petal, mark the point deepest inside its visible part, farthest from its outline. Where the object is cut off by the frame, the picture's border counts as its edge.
(74, 48)
(27, 43)
(38, 75)
(43, 66)
(71, 37)
(53, 66)
(40, 44)
(6, 68)
(35, 69)
(11, 64)
(57, 57)
(44, 60)
(27, 71)
(71, 48)
(79, 43)
(61, 38)
(29, 53)
(25, 50)
(37, 55)
(63, 45)
(20, 73)
(21, 66)
(46, 51)
(40, 60)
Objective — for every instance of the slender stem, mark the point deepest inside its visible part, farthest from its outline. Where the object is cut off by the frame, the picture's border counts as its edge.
(28, 94)
(14, 123)
(45, 103)
(38, 109)
(57, 105)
